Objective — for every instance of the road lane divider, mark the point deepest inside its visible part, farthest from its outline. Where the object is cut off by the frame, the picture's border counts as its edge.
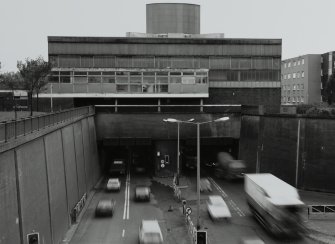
(126, 197)
(225, 195)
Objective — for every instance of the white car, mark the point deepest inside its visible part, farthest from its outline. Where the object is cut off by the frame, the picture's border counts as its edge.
(113, 184)
(150, 232)
(217, 208)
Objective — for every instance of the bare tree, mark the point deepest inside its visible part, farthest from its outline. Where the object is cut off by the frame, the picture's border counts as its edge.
(13, 82)
(34, 75)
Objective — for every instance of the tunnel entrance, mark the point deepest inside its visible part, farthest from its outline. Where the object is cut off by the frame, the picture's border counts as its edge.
(136, 154)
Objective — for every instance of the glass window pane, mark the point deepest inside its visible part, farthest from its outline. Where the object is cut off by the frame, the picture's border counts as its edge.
(162, 88)
(149, 79)
(65, 79)
(104, 62)
(122, 88)
(175, 79)
(122, 79)
(65, 73)
(80, 73)
(96, 73)
(135, 79)
(80, 79)
(53, 79)
(148, 88)
(162, 79)
(106, 79)
(94, 79)
(108, 73)
(86, 61)
(135, 88)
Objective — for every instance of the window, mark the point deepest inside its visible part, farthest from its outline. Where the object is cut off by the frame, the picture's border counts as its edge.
(302, 74)
(294, 75)
(289, 64)
(298, 62)
(298, 75)
(285, 65)
(302, 99)
(302, 61)
(285, 77)
(293, 100)
(289, 76)
(294, 87)
(294, 63)
(302, 86)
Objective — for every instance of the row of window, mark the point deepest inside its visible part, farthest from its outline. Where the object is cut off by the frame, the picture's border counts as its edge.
(125, 77)
(294, 63)
(210, 62)
(296, 99)
(294, 87)
(296, 75)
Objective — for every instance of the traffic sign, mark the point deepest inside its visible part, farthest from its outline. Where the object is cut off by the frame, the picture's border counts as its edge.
(188, 211)
(162, 165)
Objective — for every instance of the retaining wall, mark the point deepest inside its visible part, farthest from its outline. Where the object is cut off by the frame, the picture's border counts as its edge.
(42, 180)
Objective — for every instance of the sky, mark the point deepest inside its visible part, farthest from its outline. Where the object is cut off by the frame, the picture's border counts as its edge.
(305, 26)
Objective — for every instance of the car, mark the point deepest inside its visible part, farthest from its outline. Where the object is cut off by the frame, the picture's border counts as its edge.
(113, 184)
(205, 185)
(105, 208)
(140, 169)
(142, 193)
(150, 232)
(217, 208)
(252, 240)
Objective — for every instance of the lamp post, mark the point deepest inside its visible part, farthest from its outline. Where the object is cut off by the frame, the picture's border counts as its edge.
(170, 120)
(198, 153)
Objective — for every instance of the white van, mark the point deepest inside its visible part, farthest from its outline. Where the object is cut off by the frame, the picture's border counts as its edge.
(150, 232)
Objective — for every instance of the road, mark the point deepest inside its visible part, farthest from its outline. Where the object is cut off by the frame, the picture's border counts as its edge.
(242, 224)
(123, 226)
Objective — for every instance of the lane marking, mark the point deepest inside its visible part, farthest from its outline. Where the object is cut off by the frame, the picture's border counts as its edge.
(128, 195)
(225, 195)
(123, 231)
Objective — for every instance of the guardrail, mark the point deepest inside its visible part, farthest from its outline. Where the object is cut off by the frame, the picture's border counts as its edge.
(13, 129)
(321, 212)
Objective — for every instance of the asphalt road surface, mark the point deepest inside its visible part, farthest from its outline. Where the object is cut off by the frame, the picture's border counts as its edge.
(123, 226)
(242, 223)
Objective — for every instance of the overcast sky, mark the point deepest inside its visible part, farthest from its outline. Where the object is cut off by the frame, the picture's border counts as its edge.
(305, 26)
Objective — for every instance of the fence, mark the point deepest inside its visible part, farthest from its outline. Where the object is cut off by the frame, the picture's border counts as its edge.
(321, 212)
(15, 128)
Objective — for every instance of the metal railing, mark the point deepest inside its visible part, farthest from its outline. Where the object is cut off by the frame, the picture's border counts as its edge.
(13, 129)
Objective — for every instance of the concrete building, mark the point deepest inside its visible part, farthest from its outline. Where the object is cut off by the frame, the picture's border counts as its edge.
(301, 80)
(163, 67)
(327, 69)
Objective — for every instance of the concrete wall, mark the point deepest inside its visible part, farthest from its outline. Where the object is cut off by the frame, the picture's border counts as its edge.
(151, 125)
(273, 142)
(42, 180)
(9, 215)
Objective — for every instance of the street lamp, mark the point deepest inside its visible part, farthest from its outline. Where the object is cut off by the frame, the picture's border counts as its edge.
(171, 120)
(191, 121)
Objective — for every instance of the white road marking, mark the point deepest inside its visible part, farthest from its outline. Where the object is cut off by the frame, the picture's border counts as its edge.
(126, 198)
(123, 232)
(225, 195)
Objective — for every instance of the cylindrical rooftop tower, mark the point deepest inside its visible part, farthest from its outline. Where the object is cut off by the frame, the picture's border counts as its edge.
(173, 18)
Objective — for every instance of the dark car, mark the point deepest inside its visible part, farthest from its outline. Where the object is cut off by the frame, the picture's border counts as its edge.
(142, 193)
(105, 208)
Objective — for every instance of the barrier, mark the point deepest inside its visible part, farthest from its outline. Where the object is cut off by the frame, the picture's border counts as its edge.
(321, 212)
(15, 128)
(78, 208)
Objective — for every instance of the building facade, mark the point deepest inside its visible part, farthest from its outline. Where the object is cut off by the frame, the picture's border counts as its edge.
(327, 69)
(165, 68)
(301, 80)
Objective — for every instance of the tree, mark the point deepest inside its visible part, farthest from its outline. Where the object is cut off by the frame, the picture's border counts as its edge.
(11, 81)
(330, 89)
(34, 76)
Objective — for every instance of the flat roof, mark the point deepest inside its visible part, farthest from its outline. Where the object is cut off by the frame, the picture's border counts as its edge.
(157, 40)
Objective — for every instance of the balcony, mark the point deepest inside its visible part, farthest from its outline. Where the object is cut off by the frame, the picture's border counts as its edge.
(127, 83)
